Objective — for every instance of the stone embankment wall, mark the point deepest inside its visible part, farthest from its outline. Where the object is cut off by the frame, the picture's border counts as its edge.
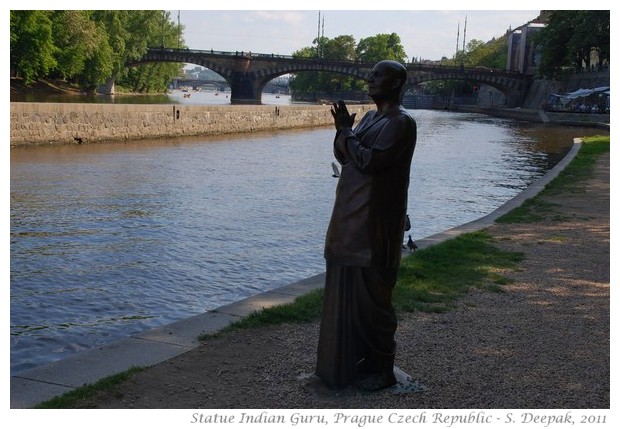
(542, 88)
(533, 115)
(71, 123)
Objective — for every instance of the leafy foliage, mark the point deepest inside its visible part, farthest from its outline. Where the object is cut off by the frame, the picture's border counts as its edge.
(370, 49)
(33, 52)
(570, 37)
(92, 47)
(381, 47)
(77, 38)
(341, 48)
(492, 54)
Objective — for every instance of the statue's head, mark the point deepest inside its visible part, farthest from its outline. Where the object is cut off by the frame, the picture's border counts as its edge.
(386, 80)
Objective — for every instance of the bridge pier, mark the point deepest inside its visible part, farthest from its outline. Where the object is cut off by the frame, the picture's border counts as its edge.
(244, 90)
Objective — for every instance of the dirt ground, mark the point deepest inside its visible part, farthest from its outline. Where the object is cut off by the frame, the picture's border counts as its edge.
(42, 87)
(543, 344)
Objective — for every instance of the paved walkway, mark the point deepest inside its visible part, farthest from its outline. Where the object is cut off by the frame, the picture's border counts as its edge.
(149, 348)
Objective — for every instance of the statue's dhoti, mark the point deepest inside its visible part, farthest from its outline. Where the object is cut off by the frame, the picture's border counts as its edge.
(358, 324)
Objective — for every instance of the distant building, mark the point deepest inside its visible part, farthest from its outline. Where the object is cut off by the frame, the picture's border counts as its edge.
(523, 54)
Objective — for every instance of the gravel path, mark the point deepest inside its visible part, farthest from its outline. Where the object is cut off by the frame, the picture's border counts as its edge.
(544, 343)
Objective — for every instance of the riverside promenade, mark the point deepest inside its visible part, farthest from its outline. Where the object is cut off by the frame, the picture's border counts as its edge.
(542, 344)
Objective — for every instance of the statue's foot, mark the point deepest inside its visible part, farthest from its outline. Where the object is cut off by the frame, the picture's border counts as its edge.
(378, 380)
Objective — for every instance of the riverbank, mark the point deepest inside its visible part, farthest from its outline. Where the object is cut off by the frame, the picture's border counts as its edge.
(34, 124)
(42, 87)
(600, 121)
(541, 344)
(82, 123)
(51, 87)
(547, 334)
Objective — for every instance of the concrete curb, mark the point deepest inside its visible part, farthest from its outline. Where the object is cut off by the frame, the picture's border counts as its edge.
(36, 385)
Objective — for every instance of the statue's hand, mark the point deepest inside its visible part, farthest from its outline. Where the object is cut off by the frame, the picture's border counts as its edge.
(342, 118)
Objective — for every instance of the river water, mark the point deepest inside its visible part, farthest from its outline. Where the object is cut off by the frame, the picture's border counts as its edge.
(108, 240)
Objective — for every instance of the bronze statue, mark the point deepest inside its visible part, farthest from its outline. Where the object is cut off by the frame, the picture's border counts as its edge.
(364, 239)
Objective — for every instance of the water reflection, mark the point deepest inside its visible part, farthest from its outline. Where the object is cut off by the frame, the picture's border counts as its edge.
(108, 240)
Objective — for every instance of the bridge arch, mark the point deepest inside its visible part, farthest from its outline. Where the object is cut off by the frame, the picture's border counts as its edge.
(512, 89)
(265, 76)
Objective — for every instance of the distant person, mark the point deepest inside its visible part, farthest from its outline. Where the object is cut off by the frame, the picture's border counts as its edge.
(364, 237)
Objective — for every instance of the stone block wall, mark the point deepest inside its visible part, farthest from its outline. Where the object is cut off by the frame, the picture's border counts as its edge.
(71, 123)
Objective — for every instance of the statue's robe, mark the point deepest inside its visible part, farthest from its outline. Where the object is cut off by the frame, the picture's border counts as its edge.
(363, 247)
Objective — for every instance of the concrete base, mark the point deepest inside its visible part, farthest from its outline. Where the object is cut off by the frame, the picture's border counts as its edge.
(405, 383)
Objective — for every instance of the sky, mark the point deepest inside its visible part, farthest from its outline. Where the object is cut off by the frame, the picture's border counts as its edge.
(424, 34)
(283, 27)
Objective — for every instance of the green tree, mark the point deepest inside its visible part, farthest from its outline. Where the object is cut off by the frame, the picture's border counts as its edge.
(341, 48)
(84, 55)
(151, 77)
(128, 35)
(381, 47)
(147, 29)
(591, 34)
(344, 48)
(308, 82)
(553, 41)
(601, 27)
(75, 36)
(32, 45)
(92, 47)
(569, 38)
(98, 66)
(492, 54)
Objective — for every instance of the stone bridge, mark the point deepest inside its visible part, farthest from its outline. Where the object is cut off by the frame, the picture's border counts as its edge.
(247, 73)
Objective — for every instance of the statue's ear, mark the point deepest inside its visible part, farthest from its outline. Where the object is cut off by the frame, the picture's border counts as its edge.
(397, 83)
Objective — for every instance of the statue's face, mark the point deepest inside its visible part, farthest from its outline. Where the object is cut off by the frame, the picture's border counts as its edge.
(381, 82)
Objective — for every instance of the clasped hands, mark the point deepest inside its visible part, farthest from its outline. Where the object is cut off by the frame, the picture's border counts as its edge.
(342, 118)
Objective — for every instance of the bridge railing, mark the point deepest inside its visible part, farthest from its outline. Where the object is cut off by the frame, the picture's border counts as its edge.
(246, 54)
